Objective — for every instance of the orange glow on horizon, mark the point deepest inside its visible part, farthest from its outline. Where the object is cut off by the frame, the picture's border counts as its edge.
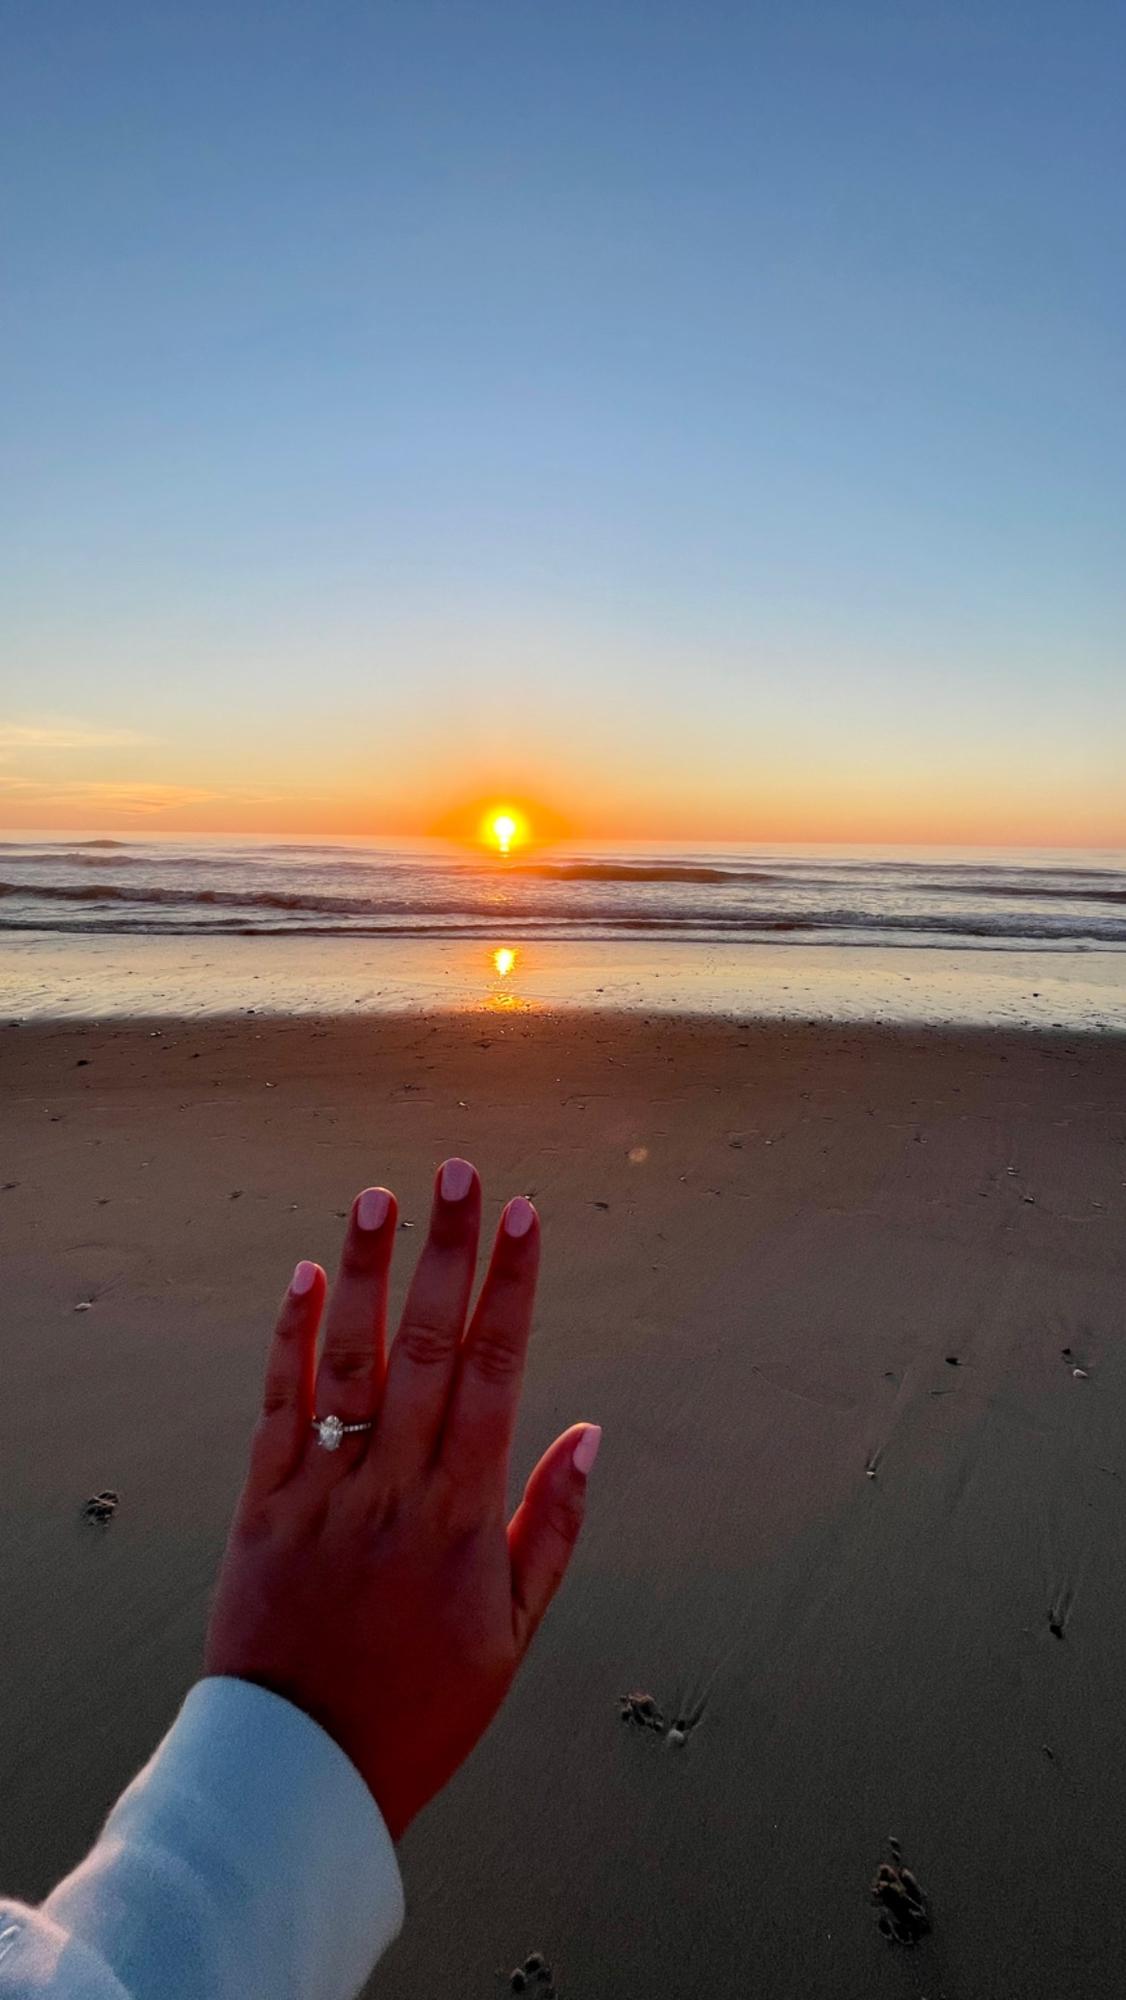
(500, 821)
(874, 803)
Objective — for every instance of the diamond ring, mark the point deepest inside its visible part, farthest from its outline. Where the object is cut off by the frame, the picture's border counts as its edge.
(330, 1430)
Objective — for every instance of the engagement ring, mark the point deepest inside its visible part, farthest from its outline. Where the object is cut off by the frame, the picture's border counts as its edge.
(330, 1430)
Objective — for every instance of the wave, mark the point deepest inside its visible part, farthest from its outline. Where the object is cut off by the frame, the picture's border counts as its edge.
(52, 846)
(182, 899)
(623, 871)
(261, 861)
(617, 913)
(700, 924)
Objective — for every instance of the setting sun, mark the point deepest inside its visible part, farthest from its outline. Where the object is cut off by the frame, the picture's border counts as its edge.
(504, 828)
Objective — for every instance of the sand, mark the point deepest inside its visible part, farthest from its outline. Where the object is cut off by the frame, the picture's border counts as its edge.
(858, 1525)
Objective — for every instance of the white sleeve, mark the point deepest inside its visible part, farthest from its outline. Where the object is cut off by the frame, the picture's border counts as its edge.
(247, 1861)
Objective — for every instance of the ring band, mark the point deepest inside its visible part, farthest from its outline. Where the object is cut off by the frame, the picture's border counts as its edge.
(330, 1430)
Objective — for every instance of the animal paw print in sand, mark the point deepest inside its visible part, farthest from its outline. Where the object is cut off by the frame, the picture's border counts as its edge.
(904, 1917)
(534, 1976)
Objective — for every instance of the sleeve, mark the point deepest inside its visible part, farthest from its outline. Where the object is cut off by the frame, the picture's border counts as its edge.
(247, 1861)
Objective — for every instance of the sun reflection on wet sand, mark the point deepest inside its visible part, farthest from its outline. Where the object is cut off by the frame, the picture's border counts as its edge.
(503, 998)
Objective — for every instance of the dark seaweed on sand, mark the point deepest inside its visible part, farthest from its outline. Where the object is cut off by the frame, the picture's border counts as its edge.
(904, 1916)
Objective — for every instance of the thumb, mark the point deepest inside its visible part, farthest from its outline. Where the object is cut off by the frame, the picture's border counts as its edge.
(545, 1527)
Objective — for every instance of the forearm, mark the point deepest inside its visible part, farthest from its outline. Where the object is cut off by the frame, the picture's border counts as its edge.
(247, 1859)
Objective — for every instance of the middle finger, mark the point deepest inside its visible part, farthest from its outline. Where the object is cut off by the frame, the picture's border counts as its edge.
(424, 1353)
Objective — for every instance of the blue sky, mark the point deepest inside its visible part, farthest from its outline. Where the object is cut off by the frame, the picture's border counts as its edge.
(709, 417)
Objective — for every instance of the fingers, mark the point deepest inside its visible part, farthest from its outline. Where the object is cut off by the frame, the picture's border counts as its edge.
(545, 1527)
(482, 1412)
(350, 1376)
(287, 1398)
(424, 1353)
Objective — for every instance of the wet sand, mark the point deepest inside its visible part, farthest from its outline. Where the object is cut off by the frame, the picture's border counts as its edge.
(858, 1526)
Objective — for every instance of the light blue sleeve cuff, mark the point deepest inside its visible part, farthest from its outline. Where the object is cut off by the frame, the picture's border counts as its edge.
(247, 1861)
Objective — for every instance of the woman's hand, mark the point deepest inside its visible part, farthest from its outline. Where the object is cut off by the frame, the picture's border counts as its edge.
(376, 1585)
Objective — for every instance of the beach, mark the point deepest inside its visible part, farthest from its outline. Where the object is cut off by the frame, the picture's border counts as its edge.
(848, 1302)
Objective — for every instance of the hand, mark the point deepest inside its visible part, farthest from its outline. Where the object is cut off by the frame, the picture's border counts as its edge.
(377, 1586)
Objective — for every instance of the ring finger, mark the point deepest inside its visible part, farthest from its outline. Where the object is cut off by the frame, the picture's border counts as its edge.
(350, 1375)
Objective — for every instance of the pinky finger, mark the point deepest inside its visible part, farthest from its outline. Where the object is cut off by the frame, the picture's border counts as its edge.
(287, 1399)
(545, 1527)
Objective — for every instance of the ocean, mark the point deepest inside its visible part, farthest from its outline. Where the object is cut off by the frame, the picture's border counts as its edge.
(1061, 901)
(593, 924)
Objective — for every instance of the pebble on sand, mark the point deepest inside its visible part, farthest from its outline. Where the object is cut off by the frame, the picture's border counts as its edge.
(102, 1506)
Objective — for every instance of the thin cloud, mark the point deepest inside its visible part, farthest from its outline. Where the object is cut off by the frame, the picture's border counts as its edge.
(134, 800)
(16, 736)
(141, 799)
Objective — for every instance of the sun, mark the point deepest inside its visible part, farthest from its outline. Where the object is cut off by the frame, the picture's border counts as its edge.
(504, 827)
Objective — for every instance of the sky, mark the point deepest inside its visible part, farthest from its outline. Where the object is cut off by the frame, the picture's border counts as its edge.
(692, 417)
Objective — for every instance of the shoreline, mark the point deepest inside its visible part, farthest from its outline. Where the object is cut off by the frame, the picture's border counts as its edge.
(127, 977)
(816, 1282)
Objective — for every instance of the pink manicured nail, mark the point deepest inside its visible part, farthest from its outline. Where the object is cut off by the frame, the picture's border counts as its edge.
(456, 1181)
(519, 1216)
(303, 1279)
(586, 1451)
(371, 1208)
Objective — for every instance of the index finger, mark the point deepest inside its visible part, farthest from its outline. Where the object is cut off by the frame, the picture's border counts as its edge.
(287, 1398)
(481, 1414)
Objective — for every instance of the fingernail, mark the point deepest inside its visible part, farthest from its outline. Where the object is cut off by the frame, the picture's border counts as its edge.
(371, 1208)
(303, 1279)
(456, 1181)
(519, 1216)
(586, 1451)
